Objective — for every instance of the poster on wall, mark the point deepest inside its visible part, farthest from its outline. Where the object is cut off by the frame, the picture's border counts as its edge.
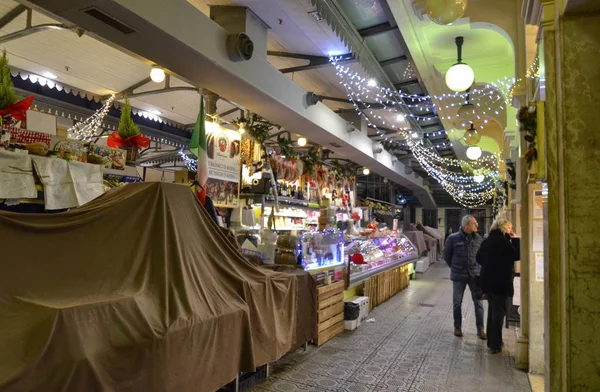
(538, 205)
(223, 149)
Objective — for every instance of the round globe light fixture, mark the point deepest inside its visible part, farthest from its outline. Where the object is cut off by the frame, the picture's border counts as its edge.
(241, 129)
(474, 153)
(366, 171)
(460, 77)
(472, 137)
(302, 141)
(157, 74)
(478, 178)
(446, 12)
(467, 113)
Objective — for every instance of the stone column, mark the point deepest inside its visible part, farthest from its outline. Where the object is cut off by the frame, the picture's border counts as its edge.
(572, 55)
(523, 332)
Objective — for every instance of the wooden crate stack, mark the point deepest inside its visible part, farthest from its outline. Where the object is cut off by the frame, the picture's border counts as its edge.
(331, 311)
(385, 285)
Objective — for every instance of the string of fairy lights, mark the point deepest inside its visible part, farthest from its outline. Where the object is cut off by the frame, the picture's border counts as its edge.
(192, 164)
(88, 129)
(470, 190)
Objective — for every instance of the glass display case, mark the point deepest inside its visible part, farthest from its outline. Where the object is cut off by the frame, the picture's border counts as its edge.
(379, 254)
(322, 249)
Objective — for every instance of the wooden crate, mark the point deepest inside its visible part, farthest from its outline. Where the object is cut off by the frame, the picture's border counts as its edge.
(330, 300)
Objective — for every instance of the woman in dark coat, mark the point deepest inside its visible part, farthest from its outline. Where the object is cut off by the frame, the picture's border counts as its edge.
(497, 257)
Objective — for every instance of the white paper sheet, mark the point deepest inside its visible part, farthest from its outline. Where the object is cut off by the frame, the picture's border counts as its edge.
(16, 176)
(58, 186)
(87, 181)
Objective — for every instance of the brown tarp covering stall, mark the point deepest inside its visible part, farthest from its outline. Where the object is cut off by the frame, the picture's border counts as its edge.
(137, 290)
(307, 326)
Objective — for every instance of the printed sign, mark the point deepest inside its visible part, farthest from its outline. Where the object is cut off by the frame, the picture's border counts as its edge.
(223, 149)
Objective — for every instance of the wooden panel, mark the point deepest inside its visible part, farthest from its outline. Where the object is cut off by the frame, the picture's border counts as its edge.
(331, 301)
(330, 312)
(330, 333)
(330, 290)
(331, 322)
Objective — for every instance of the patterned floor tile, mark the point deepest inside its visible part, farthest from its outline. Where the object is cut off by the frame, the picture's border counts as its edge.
(409, 347)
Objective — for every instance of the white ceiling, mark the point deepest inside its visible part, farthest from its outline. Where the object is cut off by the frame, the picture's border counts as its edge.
(88, 64)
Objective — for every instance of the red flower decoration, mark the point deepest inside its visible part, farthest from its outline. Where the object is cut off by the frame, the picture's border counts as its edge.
(115, 140)
(18, 110)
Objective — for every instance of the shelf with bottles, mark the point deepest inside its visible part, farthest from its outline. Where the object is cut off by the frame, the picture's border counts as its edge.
(385, 251)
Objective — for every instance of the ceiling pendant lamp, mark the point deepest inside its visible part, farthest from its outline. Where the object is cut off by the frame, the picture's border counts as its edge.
(468, 112)
(472, 137)
(460, 76)
(446, 12)
(474, 153)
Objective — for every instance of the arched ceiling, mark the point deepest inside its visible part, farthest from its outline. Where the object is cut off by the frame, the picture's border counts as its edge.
(490, 30)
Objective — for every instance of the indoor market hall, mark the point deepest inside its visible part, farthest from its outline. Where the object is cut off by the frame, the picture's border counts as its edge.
(299, 195)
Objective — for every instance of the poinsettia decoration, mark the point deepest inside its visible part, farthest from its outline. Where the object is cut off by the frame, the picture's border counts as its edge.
(527, 117)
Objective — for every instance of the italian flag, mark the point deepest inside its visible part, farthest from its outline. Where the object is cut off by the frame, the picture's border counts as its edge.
(198, 148)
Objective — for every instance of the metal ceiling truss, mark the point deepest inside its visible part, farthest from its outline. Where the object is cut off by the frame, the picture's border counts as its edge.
(29, 27)
(379, 29)
(393, 60)
(130, 91)
(314, 62)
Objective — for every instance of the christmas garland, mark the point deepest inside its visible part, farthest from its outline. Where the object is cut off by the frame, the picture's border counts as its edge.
(528, 123)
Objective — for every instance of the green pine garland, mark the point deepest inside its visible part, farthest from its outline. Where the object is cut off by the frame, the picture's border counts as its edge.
(7, 88)
(127, 127)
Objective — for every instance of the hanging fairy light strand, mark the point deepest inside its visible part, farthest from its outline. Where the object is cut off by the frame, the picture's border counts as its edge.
(463, 188)
(192, 164)
(87, 129)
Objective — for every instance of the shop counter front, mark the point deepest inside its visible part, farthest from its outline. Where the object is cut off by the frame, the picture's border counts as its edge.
(384, 268)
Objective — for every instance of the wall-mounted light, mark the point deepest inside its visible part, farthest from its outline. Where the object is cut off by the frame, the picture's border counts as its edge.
(460, 76)
(474, 153)
(302, 141)
(157, 74)
(366, 171)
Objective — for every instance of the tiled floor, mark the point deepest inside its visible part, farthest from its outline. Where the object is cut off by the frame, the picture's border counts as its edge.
(409, 347)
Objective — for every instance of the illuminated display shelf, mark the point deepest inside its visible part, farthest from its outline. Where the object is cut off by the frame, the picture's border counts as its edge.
(380, 253)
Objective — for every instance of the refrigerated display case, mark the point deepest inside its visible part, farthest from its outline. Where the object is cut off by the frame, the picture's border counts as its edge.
(322, 249)
(379, 254)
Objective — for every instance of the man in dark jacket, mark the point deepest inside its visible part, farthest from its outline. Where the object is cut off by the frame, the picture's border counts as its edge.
(460, 255)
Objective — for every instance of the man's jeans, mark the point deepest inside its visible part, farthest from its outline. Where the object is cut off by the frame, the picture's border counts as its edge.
(459, 292)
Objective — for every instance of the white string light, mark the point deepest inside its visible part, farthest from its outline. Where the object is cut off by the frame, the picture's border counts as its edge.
(462, 187)
(192, 164)
(87, 129)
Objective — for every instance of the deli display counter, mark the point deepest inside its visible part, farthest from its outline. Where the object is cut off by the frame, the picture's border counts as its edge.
(379, 254)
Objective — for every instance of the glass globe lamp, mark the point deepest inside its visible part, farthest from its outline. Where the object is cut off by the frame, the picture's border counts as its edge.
(446, 12)
(460, 77)
(474, 153)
